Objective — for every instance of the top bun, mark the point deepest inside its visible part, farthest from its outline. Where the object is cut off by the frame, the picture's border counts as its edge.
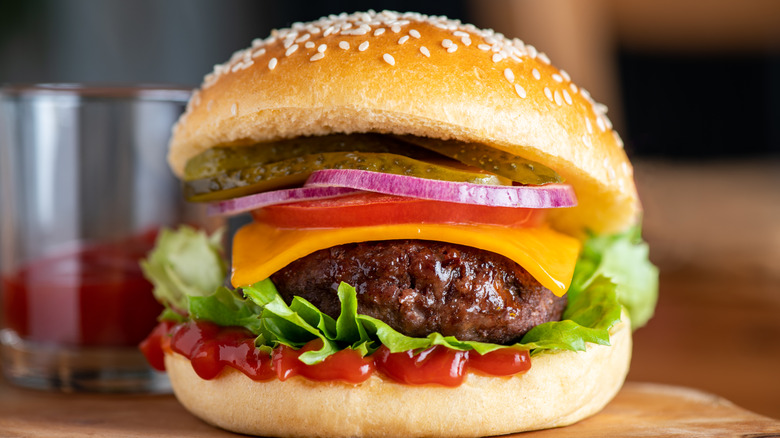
(421, 75)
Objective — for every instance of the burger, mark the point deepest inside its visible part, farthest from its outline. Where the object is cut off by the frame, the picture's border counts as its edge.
(445, 238)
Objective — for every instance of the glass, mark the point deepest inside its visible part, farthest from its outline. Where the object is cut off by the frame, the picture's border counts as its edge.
(84, 187)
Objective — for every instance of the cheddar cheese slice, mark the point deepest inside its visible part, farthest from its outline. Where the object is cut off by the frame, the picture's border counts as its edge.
(260, 249)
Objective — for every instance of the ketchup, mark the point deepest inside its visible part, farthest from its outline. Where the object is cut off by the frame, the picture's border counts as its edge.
(210, 348)
(92, 296)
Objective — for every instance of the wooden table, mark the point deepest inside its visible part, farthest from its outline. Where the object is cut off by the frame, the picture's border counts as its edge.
(714, 231)
(640, 409)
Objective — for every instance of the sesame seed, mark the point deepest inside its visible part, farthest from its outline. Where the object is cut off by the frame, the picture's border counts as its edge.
(344, 45)
(452, 48)
(309, 44)
(548, 93)
(509, 75)
(557, 78)
(322, 48)
(234, 109)
(466, 41)
(586, 94)
(567, 97)
(303, 38)
(532, 52)
(557, 97)
(329, 30)
(388, 59)
(395, 28)
(446, 43)
(424, 50)
(291, 50)
(460, 33)
(317, 56)
(626, 169)
(484, 47)
(403, 39)
(589, 126)
(573, 87)
(565, 76)
(586, 140)
(379, 31)
(520, 91)
(259, 53)
(543, 57)
(600, 123)
(272, 63)
(414, 33)
(536, 74)
(497, 57)
(363, 46)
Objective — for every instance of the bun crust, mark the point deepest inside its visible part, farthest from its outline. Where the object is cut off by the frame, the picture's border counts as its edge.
(559, 389)
(426, 76)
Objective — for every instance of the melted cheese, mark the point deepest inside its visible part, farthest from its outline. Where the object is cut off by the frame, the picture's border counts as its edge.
(260, 249)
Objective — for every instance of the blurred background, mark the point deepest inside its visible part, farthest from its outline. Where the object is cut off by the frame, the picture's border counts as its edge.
(692, 86)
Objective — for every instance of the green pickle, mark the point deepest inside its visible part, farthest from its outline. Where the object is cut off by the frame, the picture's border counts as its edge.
(518, 169)
(231, 171)
(222, 159)
(294, 172)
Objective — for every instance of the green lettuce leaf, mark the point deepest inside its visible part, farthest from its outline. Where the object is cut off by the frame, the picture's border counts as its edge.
(623, 258)
(589, 319)
(603, 279)
(226, 308)
(184, 263)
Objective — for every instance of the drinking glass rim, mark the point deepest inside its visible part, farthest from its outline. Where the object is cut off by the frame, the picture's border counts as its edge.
(151, 92)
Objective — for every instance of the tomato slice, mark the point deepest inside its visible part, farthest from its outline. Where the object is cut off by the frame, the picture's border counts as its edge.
(365, 209)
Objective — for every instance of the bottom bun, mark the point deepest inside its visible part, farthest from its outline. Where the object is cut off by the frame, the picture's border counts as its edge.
(560, 388)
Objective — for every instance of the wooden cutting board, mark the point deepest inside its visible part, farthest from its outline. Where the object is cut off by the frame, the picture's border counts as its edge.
(640, 409)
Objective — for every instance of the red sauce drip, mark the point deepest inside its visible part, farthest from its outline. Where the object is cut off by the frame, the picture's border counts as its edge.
(344, 365)
(92, 296)
(503, 362)
(153, 347)
(439, 365)
(210, 348)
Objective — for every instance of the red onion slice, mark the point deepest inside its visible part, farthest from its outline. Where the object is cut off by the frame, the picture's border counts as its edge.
(258, 200)
(547, 196)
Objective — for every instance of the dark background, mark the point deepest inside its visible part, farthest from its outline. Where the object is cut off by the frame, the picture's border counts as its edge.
(682, 104)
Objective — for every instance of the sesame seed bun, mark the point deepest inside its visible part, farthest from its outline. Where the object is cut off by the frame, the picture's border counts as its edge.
(426, 76)
(559, 389)
(411, 74)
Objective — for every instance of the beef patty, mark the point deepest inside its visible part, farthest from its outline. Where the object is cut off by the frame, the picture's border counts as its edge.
(420, 287)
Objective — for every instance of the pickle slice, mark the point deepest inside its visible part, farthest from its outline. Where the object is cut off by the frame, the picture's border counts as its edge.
(501, 163)
(219, 160)
(295, 171)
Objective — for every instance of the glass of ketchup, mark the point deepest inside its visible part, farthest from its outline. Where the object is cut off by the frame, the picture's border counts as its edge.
(84, 187)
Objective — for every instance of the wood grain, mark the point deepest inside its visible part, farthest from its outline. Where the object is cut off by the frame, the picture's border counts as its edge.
(714, 232)
(640, 409)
